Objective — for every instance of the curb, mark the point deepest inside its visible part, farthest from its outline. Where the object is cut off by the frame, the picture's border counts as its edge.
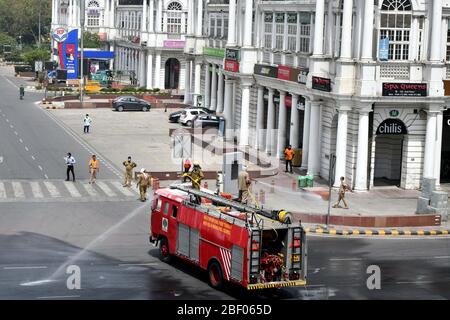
(378, 232)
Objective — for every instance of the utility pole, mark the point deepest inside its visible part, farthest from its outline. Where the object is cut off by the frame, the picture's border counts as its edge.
(82, 16)
(39, 33)
(331, 182)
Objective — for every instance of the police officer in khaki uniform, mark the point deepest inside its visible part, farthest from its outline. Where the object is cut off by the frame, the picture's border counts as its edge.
(144, 181)
(129, 166)
(342, 189)
(243, 184)
(196, 176)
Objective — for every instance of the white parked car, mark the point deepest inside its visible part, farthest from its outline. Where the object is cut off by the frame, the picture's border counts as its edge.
(188, 116)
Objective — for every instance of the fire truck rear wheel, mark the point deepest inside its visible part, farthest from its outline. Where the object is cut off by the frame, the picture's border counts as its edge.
(215, 275)
(164, 253)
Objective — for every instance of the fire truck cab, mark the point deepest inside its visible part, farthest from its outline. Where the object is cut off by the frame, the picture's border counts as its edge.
(232, 241)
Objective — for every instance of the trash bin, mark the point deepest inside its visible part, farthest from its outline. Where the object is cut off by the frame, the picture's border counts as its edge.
(297, 161)
(309, 180)
(301, 181)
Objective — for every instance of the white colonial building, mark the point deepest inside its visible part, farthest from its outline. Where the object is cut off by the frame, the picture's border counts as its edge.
(366, 81)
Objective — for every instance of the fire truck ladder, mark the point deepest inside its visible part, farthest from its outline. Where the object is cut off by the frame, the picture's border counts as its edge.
(255, 253)
(229, 203)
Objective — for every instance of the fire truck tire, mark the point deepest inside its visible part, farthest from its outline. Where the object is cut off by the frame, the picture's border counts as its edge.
(164, 254)
(215, 275)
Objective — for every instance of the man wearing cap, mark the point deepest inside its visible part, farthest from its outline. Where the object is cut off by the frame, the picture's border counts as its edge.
(143, 183)
(129, 166)
(243, 184)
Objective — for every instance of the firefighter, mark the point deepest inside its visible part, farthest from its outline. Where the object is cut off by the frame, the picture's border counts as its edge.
(344, 187)
(129, 166)
(196, 176)
(143, 183)
(186, 167)
(243, 184)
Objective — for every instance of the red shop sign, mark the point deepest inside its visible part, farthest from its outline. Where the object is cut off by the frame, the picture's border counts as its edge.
(284, 72)
(231, 65)
(288, 101)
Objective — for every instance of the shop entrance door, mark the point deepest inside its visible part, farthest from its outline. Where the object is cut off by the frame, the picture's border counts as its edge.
(445, 153)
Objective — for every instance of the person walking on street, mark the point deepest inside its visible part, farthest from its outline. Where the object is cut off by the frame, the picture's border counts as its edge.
(243, 184)
(289, 155)
(344, 187)
(94, 167)
(87, 123)
(129, 166)
(186, 167)
(143, 183)
(70, 161)
(21, 92)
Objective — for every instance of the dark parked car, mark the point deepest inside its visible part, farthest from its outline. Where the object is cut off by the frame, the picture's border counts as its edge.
(130, 103)
(207, 121)
(175, 116)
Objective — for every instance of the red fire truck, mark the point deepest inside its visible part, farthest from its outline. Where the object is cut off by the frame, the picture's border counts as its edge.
(234, 242)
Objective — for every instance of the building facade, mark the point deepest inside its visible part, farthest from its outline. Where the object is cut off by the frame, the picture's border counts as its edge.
(364, 82)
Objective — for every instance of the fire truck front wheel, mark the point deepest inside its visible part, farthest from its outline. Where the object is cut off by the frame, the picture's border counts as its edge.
(215, 274)
(164, 253)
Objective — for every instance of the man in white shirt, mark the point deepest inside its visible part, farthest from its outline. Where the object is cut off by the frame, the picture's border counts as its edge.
(70, 161)
(87, 123)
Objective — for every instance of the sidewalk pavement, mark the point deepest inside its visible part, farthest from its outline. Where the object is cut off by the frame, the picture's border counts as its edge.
(145, 136)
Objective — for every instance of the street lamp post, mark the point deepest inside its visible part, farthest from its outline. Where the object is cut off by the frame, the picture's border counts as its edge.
(39, 32)
(82, 16)
(331, 182)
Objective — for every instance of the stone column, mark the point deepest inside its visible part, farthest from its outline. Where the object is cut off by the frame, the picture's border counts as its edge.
(282, 115)
(314, 143)
(346, 39)
(187, 82)
(437, 165)
(220, 92)
(144, 16)
(248, 24)
(363, 150)
(197, 81)
(435, 44)
(199, 18)
(228, 104)
(430, 145)
(245, 113)
(157, 83)
(341, 145)
(318, 27)
(151, 27)
(213, 104)
(231, 23)
(306, 127)
(295, 122)
(367, 45)
(260, 119)
(150, 70)
(270, 122)
(159, 16)
(207, 86)
(142, 68)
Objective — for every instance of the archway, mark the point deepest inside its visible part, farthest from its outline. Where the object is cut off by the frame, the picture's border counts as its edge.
(388, 152)
(172, 73)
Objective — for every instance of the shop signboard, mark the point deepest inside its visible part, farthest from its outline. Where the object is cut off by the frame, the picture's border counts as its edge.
(68, 54)
(173, 44)
(322, 84)
(232, 66)
(404, 89)
(392, 126)
(265, 70)
(232, 54)
(288, 73)
(383, 53)
(302, 75)
(214, 52)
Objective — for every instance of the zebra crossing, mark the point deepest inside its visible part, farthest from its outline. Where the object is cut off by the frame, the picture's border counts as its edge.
(55, 190)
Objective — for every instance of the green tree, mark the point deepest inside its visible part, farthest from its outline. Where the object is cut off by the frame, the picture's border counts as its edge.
(36, 55)
(91, 40)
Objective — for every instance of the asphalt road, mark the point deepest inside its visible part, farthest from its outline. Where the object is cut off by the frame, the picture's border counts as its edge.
(106, 236)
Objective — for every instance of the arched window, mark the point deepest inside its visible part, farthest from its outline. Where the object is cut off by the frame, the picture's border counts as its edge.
(174, 16)
(395, 24)
(93, 14)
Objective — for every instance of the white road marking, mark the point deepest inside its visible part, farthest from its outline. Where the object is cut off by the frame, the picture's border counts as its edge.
(11, 126)
(441, 257)
(18, 190)
(21, 141)
(27, 267)
(7, 120)
(72, 189)
(26, 148)
(90, 190)
(32, 157)
(106, 189)
(52, 189)
(345, 259)
(58, 297)
(40, 168)
(36, 189)
(46, 176)
(2, 190)
(414, 282)
(138, 264)
(15, 132)
(122, 189)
